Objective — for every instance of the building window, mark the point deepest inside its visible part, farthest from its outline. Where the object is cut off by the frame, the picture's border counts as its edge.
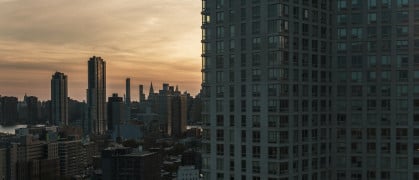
(372, 4)
(342, 33)
(256, 12)
(372, 18)
(402, 44)
(342, 4)
(219, 17)
(402, 3)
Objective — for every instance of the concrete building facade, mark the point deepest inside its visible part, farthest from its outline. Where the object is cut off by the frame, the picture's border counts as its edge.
(59, 99)
(375, 78)
(96, 97)
(266, 87)
(310, 89)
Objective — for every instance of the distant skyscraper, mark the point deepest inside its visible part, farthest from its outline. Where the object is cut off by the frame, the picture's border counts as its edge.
(179, 113)
(32, 109)
(127, 99)
(9, 110)
(96, 96)
(59, 99)
(151, 93)
(115, 112)
(141, 93)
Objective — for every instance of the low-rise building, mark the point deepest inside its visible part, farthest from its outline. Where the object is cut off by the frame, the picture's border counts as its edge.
(187, 173)
(124, 163)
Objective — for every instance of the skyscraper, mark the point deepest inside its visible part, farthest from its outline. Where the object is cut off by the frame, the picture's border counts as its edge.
(266, 89)
(32, 109)
(96, 97)
(9, 115)
(179, 113)
(115, 112)
(127, 99)
(310, 89)
(141, 93)
(59, 99)
(151, 91)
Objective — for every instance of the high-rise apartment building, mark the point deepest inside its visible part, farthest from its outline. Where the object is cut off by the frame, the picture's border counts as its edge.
(375, 75)
(59, 99)
(266, 89)
(96, 97)
(310, 89)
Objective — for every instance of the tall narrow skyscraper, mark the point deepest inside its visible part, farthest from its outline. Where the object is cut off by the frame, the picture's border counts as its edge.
(151, 91)
(127, 99)
(96, 97)
(141, 93)
(59, 99)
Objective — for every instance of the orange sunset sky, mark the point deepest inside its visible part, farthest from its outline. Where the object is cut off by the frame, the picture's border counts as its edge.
(145, 40)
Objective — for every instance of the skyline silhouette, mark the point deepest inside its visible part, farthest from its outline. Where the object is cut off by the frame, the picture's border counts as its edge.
(133, 36)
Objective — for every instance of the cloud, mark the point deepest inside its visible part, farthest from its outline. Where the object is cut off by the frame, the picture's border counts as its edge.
(145, 40)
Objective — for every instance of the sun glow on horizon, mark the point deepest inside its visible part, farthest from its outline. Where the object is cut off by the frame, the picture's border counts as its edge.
(148, 41)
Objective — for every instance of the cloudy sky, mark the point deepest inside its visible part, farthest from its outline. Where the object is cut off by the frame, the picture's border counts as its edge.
(146, 40)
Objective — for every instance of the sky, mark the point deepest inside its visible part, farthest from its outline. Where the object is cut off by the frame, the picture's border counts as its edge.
(145, 40)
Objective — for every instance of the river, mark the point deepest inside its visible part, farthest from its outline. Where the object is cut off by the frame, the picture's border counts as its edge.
(10, 129)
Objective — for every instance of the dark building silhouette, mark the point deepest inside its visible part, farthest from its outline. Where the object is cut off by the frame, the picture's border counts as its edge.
(179, 114)
(127, 100)
(172, 109)
(151, 91)
(96, 97)
(141, 93)
(195, 110)
(59, 99)
(9, 111)
(32, 109)
(46, 112)
(123, 163)
(76, 112)
(192, 158)
(115, 112)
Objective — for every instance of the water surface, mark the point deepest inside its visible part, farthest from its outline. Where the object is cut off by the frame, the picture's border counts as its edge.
(11, 129)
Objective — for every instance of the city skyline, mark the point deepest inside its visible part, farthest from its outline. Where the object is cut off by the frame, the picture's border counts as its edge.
(130, 35)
